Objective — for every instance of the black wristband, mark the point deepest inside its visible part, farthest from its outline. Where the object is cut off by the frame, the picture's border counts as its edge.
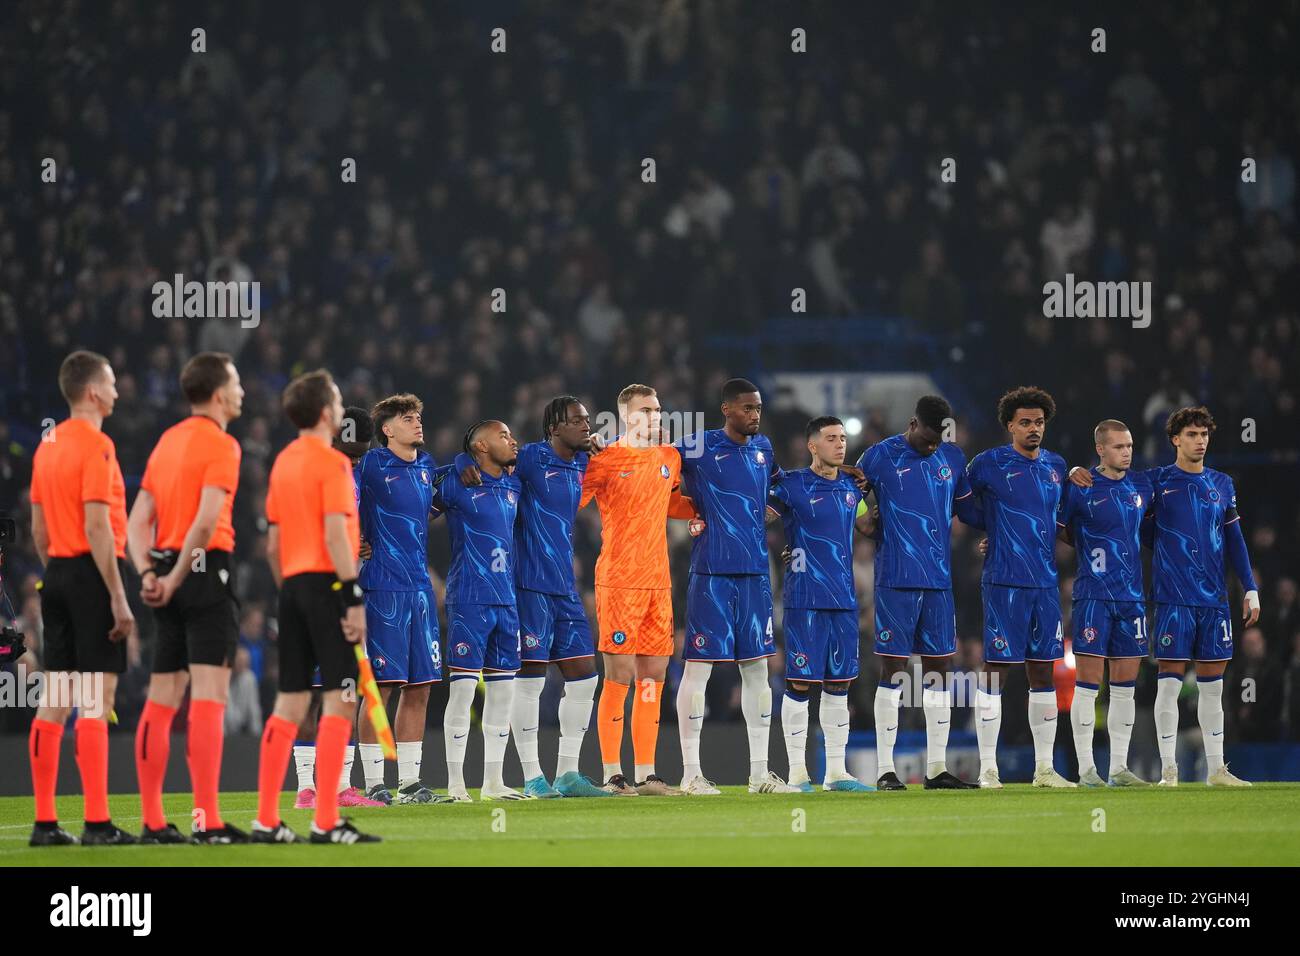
(349, 593)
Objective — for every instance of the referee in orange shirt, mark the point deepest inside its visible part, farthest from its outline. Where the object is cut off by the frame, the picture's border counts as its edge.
(181, 537)
(312, 546)
(79, 529)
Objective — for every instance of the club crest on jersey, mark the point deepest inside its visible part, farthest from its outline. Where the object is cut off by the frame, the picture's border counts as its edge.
(700, 642)
(510, 497)
(801, 661)
(462, 649)
(424, 475)
(759, 457)
(1214, 495)
(619, 638)
(379, 663)
(1089, 634)
(999, 643)
(530, 641)
(850, 499)
(1056, 479)
(663, 470)
(1137, 501)
(1166, 640)
(945, 473)
(884, 636)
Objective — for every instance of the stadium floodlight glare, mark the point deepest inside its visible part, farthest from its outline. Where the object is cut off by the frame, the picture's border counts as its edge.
(853, 426)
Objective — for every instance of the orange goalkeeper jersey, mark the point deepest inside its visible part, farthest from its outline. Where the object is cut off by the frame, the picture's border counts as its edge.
(636, 490)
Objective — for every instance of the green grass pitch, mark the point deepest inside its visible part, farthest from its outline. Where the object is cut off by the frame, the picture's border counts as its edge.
(1017, 826)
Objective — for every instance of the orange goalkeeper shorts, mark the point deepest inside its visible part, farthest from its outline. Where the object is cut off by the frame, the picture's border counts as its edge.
(635, 620)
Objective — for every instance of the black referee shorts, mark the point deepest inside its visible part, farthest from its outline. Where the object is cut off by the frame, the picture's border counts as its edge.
(311, 635)
(200, 624)
(77, 615)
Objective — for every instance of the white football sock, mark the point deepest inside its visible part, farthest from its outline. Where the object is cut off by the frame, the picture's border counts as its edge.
(345, 777)
(1119, 723)
(794, 725)
(937, 703)
(833, 715)
(889, 697)
(455, 729)
(756, 705)
(575, 717)
(690, 714)
(496, 729)
(304, 762)
(1209, 713)
(410, 753)
(1083, 722)
(988, 724)
(1042, 724)
(372, 764)
(1168, 687)
(524, 721)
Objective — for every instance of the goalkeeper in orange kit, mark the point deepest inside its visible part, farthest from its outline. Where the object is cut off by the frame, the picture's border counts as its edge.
(635, 482)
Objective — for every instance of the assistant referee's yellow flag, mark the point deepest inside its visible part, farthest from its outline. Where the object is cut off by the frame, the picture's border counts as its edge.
(374, 704)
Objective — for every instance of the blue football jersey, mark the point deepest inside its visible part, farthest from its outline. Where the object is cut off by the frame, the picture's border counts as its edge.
(818, 515)
(1192, 512)
(481, 522)
(548, 506)
(1020, 497)
(1105, 521)
(728, 484)
(917, 495)
(395, 501)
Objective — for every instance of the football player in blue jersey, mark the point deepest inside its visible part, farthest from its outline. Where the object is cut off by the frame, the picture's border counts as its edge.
(482, 622)
(1019, 490)
(396, 484)
(820, 507)
(1108, 622)
(728, 472)
(919, 482)
(552, 619)
(1193, 526)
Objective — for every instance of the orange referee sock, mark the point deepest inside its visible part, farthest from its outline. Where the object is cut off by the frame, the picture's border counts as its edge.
(277, 745)
(609, 725)
(645, 726)
(43, 748)
(204, 753)
(92, 760)
(332, 735)
(152, 747)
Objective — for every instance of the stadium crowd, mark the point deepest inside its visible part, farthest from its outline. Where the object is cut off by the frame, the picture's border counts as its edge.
(522, 171)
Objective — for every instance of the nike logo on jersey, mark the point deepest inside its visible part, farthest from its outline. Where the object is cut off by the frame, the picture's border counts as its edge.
(813, 501)
(551, 474)
(1165, 736)
(845, 724)
(458, 736)
(795, 733)
(942, 722)
(695, 717)
(528, 730)
(720, 457)
(388, 478)
(1169, 491)
(1088, 724)
(903, 471)
(616, 720)
(624, 474)
(1216, 733)
(477, 495)
(1013, 474)
(988, 719)
(765, 716)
